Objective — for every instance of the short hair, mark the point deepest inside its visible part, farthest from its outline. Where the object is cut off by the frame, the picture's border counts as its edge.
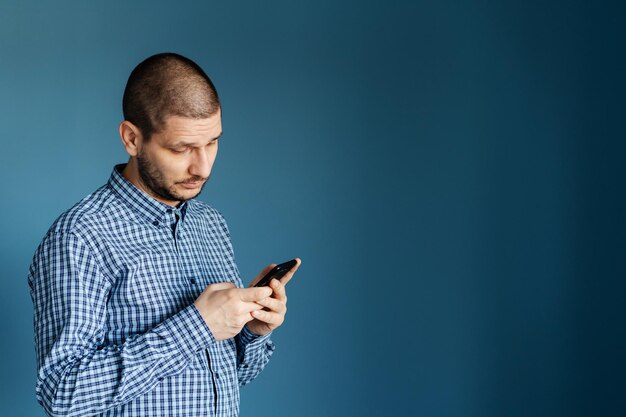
(167, 84)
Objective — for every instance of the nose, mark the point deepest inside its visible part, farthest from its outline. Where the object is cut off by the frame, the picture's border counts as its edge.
(201, 164)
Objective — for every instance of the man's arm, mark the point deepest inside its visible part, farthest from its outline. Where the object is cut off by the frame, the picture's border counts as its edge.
(253, 353)
(77, 374)
(253, 345)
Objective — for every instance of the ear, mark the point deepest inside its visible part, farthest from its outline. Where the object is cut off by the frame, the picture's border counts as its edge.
(131, 137)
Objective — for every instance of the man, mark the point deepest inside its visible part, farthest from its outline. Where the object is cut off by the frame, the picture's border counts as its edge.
(139, 306)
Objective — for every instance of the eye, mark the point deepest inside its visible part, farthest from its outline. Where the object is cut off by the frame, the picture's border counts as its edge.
(180, 150)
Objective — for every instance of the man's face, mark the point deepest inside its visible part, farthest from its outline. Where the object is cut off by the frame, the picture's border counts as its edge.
(175, 163)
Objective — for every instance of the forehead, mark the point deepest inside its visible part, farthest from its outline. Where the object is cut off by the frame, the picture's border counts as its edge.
(190, 130)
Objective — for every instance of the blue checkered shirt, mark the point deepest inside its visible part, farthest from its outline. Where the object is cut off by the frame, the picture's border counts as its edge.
(116, 332)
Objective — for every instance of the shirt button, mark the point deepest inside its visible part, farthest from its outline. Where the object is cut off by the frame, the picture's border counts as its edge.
(169, 210)
(193, 281)
(217, 376)
(156, 223)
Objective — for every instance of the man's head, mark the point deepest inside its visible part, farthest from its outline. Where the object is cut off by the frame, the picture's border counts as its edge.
(172, 121)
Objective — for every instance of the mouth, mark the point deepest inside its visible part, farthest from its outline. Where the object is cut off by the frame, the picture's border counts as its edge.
(190, 185)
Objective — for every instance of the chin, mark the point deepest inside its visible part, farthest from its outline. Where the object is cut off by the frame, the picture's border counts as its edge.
(189, 194)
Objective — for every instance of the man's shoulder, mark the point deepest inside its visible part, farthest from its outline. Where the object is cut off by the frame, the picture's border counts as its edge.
(82, 215)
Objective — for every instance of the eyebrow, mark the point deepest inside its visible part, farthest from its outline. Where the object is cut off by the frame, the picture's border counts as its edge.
(183, 143)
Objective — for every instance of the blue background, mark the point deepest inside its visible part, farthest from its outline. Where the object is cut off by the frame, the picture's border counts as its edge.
(451, 174)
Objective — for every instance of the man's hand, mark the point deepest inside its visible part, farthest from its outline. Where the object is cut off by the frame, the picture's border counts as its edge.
(275, 307)
(226, 309)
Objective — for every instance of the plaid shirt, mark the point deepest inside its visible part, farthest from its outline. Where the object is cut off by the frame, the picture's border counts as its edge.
(116, 333)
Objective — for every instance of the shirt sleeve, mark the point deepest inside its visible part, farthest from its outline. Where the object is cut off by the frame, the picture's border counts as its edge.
(253, 353)
(78, 375)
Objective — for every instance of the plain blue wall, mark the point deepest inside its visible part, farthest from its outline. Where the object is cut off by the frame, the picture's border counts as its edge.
(450, 173)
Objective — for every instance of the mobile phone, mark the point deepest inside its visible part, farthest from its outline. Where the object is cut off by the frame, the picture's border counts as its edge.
(277, 272)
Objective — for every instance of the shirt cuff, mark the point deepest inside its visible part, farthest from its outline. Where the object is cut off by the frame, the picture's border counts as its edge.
(247, 337)
(190, 331)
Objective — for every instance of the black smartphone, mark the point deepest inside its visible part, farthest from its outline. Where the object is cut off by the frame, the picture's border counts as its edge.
(277, 272)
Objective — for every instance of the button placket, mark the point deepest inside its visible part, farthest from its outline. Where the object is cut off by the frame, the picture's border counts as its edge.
(176, 219)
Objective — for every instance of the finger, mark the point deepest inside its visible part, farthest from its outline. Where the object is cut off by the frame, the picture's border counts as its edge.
(292, 271)
(249, 307)
(254, 293)
(246, 318)
(242, 314)
(242, 319)
(273, 304)
(279, 290)
(269, 317)
(261, 274)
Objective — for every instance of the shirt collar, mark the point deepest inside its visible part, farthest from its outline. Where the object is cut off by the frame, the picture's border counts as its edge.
(151, 210)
